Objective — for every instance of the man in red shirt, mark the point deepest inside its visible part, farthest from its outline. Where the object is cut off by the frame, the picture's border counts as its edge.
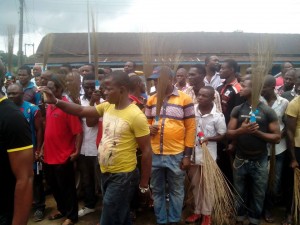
(63, 138)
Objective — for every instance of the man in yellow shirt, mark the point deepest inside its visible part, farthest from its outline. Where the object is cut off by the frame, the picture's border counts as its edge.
(124, 129)
(293, 142)
(172, 142)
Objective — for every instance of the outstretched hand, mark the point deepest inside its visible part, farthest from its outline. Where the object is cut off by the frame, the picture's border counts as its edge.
(48, 95)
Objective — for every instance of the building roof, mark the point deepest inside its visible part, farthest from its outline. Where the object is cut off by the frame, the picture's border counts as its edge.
(116, 48)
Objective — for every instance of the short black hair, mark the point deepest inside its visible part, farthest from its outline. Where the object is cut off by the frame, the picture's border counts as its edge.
(232, 64)
(200, 68)
(120, 78)
(91, 65)
(210, 89)
(133, 81)
(27, 68)
(207, 58)
(133, 64)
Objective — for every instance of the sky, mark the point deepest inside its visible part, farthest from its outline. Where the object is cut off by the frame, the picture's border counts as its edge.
(70, 16)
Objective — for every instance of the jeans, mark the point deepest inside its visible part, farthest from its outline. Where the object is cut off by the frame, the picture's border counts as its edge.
(166, 169)
(88, 167)
(271, 195)
(117, 194)
(257, 173)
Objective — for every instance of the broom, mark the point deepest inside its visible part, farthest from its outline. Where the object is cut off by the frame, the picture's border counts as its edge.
(216, 188)
(162, 85)
(261, 60)
(296, 194)
(146, 47)
(46, 51)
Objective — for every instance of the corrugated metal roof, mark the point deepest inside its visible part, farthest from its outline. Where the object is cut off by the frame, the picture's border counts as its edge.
(121, 47)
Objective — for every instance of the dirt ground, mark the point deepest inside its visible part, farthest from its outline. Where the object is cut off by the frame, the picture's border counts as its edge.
(143, 218)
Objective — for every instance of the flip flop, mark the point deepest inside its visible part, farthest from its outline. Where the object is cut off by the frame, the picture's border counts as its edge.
(55, 216)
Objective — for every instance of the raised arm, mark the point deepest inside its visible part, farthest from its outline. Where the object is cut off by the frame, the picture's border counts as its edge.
(68, 107)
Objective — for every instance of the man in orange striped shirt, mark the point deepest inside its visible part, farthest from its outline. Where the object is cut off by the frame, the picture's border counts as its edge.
(172, 140)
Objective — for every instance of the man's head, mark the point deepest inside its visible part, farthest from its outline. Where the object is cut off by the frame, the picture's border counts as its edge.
(15, 93)
(37, 71)
(136, 84)
(228, 69)
(87, 69)
(269, 86)
(45, 77)
(297, 83)
(206, 96)
(212, 63)
(285, 67)
(158, 71)
(129, 67)
(289, 79)
(89, 85)
(196, 75)
(73, 83)
(116, 86)
(181, 75)
(24, 75)
(246, 88)
(56, 85)
(107, 70)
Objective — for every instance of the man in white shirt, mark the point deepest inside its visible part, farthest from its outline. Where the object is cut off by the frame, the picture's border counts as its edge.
(87, 161)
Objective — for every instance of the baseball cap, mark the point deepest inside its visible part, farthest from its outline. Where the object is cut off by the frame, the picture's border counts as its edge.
(156, 73)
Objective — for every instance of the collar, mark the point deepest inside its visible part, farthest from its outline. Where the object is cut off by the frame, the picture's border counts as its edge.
(213, 110)
(175, 91)
(3, 98)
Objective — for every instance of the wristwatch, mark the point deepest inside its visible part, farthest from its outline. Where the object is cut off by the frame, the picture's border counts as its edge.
(144, 190)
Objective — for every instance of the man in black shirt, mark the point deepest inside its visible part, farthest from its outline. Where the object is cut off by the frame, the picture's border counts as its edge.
(251, 160)
(16, 159)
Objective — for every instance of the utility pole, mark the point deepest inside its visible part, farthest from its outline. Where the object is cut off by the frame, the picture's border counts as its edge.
(20, 52)
(89, 34)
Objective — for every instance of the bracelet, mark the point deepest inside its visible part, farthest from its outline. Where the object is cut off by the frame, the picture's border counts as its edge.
(186, 156)
(56, 101)
(144, 190)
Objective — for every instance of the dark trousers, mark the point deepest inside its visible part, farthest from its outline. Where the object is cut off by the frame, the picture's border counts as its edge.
(38, 191)
(117, 194)
(61, 178)
(89, 170)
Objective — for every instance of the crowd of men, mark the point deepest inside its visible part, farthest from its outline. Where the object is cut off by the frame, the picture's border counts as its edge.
(54, 121)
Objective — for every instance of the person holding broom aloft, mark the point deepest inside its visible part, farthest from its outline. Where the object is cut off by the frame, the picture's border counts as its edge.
(212, 128)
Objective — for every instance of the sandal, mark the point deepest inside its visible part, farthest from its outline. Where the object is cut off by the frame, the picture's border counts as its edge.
(55, 216)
